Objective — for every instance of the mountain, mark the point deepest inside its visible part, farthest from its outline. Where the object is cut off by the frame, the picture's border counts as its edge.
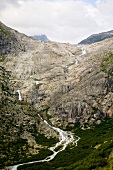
(21, 130)
(69, 79)
(69, 86)
(22, 133)
(97, 37)
(40, 37)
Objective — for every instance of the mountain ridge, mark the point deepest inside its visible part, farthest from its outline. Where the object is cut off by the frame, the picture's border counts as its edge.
(97, 37)
(40, 67)
(41, 37)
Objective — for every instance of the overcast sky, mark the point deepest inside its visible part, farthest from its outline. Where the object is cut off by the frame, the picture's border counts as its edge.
(61, 20)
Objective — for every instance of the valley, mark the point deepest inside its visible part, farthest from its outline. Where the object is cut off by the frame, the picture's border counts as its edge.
(64, 140)
(51, 89)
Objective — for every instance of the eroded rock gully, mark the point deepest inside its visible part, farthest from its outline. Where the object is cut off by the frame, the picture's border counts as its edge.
(66, 78)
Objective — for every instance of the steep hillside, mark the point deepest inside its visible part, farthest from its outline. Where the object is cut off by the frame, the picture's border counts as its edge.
(97, 37)
(69, 79)
(68, 85)
(21, 130)
(10, 42)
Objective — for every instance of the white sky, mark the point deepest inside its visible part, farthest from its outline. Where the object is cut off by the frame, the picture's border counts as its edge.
(61, 20)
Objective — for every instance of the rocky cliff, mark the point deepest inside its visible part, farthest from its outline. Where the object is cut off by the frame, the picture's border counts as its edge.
(10, 40)
(72, 81)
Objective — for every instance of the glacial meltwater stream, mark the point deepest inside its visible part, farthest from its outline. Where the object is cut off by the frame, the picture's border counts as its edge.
(64, 139)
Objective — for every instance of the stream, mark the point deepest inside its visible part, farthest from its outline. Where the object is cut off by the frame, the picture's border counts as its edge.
(64, 139)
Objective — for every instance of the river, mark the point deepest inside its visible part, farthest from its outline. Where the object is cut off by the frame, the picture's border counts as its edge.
(65, 138)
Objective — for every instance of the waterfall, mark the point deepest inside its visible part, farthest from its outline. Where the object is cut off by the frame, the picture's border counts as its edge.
(20, 98)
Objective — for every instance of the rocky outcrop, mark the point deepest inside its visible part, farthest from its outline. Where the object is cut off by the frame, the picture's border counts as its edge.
(10, 40)
(70, 80)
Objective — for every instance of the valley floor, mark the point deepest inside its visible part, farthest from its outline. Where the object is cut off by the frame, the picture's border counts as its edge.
(94, 151)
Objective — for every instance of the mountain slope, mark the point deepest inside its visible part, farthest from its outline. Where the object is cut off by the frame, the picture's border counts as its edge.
(68, 79)
(66, 84)
(97, 37)
(94, 151)
(40, 37)
(10, 42)
(21, 130)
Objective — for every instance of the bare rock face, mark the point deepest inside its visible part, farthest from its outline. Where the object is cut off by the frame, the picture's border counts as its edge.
(10, 40)
(69, 79)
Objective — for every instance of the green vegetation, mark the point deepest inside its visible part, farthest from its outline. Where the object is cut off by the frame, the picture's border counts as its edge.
(2, 30)
(16, 119)
(41, 139)
(107, 65)
(93, 151)
(2, 58)
(17, 152)
(16, 148)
